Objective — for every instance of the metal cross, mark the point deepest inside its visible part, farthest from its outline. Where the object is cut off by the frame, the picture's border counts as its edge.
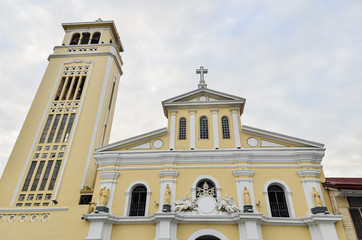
(201, 71)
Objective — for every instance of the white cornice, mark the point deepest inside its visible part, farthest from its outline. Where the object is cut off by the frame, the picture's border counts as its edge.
(223, 218)
(243, 172)
(109, 175)
(280, 137)
(309, 173)
(86, 54)
(281, 155)
(168, 173)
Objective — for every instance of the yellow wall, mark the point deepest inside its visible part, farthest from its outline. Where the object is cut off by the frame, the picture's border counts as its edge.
(285, 233)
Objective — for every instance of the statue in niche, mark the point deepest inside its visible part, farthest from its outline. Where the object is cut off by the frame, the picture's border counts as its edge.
(246, 197)
(167, 195)
(104, 194)
(317, 198)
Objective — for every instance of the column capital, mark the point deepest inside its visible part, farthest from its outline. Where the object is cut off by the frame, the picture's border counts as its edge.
(168, 173)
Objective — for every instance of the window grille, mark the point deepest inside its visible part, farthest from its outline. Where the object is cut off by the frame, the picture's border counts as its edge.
(37, 176)
(225, 127)
(182, 129)
(278, 204)
(208, 189)
(28, 177)
(204, 130)
(138, 201)
(55, 174)
(356, 215)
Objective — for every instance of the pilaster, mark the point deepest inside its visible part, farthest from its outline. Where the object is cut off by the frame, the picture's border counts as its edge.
(215, 127)
(192, 128)
(234, 113)
(172, 128)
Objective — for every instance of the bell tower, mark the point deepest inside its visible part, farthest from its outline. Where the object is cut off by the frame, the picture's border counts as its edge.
(52, 164)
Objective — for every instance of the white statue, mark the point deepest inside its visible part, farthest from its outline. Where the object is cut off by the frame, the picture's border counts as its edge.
(227, 204)
(185, 203)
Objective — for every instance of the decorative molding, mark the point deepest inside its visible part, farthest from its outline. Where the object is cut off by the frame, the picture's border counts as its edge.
(168, 173)
(243, 172)
(268, 156)
(109, 175)
(309, 173)
(9, 210)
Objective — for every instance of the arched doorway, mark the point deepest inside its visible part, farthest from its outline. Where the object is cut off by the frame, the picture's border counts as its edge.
(207, 237)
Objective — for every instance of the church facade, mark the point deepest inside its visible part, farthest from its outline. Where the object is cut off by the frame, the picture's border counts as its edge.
(204, 176)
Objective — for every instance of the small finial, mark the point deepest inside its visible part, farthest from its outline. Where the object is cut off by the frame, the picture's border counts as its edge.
(202, 71)
(99, 20)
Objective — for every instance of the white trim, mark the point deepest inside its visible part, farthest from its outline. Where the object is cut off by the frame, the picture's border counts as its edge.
(232, 156)
(168, 173)
(199, 178)
(107, 79)
(240, 184)
(287, 194)
(172, 129)
(211, 232)
(203, 167)
(128, 193)
(235, 117)
(215, 128)
(309, 173)
(33, 209)
(308, 185)
(280, 137)
(192, 129)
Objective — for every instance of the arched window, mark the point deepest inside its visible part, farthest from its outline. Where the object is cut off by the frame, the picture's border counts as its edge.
(182, 129)
(85, 38)
(204, 129)
(95, 38)
(206, 187)
(277, 201)
(75, 39)
(207, 237)
(138, 201)
(225, 127)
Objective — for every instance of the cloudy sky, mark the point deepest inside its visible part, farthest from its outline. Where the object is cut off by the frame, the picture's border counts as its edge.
(297, 62)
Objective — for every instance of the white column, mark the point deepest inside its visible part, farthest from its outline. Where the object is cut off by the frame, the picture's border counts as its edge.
(172, 129)
(171, 182)
(309, 184)
(109, 181)
(249, 226)
(322, 227)
(244, 182)
(101, 228)
(192, 128)
(236, 127)
(166, 226)
(215, 127)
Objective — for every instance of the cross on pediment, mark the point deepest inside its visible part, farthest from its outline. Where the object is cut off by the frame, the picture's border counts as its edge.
(202, 71)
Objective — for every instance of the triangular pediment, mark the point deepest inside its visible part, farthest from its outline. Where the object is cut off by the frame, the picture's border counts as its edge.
(259, 138)
(202, 98)
(154, 140)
